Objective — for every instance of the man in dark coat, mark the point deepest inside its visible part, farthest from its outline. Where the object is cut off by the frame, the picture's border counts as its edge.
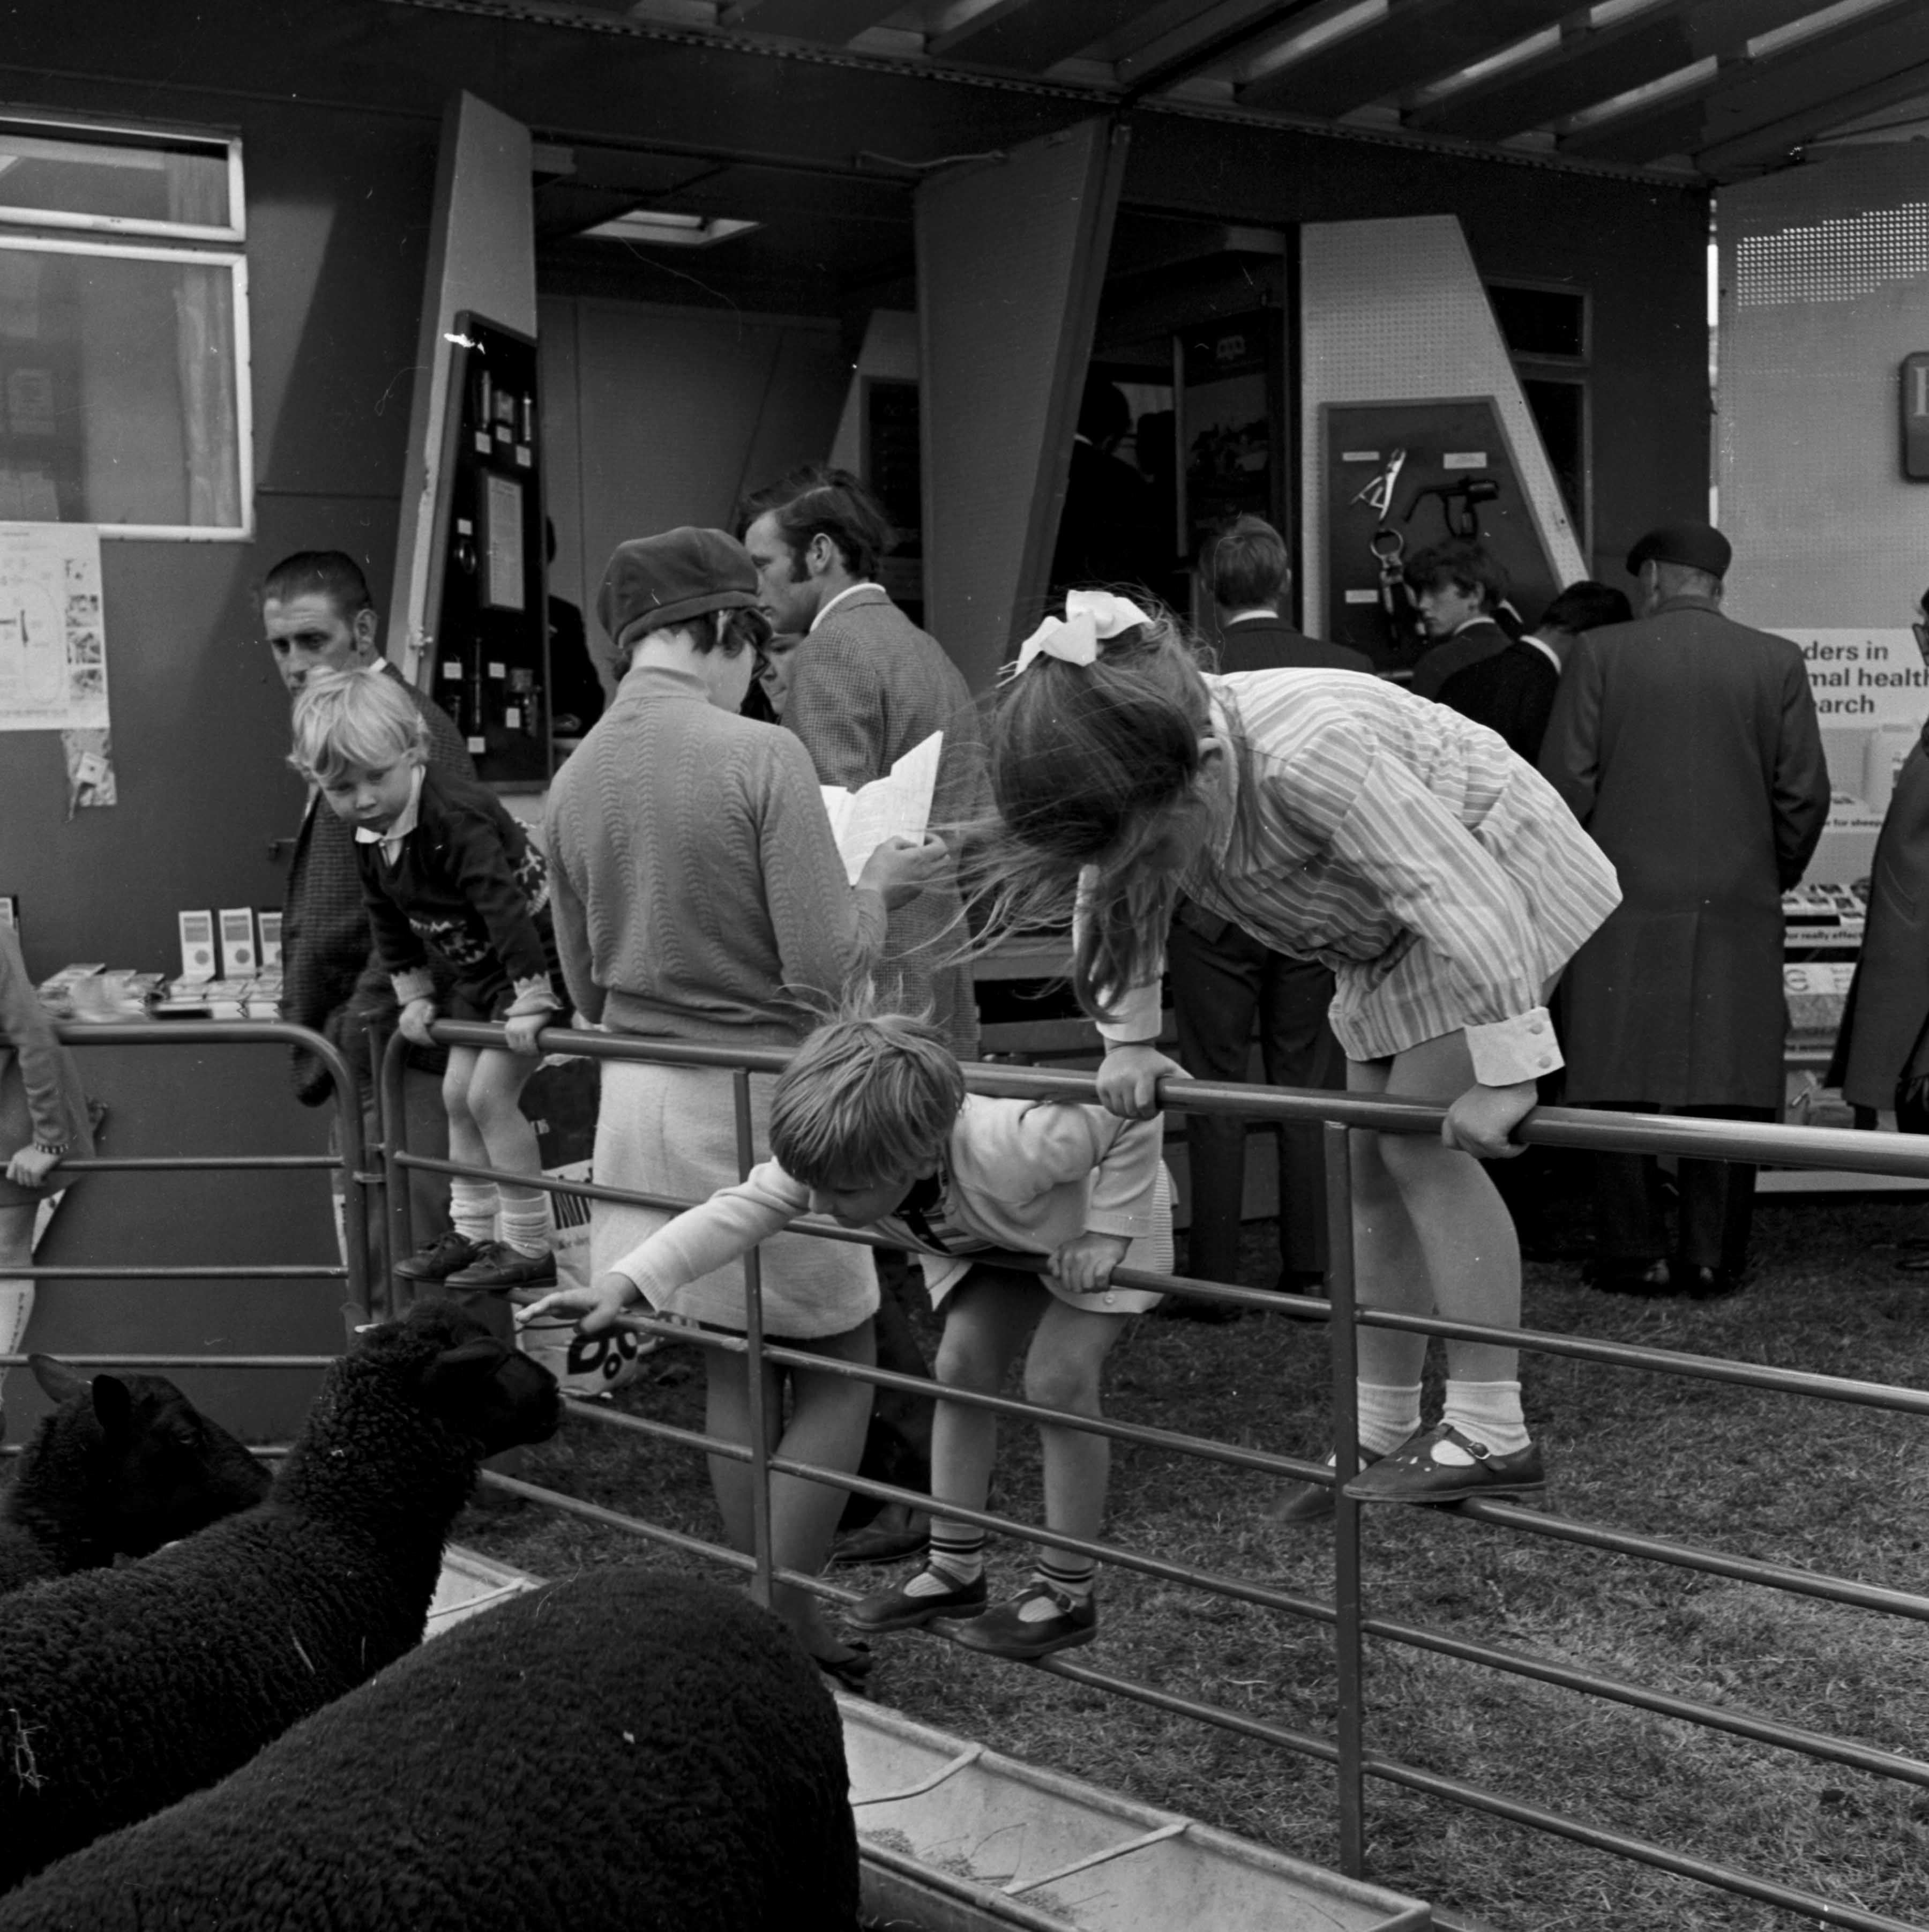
(317, 617)
(1513, 691)
(1223, 980)
(1882, 1053)
(1460, 589)
(1687, 745)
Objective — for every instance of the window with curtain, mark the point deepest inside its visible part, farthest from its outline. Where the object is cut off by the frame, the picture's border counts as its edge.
(123, 330)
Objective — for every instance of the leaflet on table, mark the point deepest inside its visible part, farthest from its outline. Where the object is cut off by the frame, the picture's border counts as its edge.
(897, 804)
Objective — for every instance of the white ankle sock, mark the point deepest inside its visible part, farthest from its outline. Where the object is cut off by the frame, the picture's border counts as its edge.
(1389, 1413)
(1487, 1412)
(524, 1220)
(472, 1209)
(16, 1309)
(954, 1558)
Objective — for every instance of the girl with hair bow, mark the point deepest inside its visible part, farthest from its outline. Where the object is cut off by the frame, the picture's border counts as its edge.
(1332, 816)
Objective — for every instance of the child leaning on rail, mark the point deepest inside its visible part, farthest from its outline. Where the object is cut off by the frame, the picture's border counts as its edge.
(871, 1125)
(447, 874)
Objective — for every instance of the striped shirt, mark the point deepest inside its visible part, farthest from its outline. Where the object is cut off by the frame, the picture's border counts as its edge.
(1440, 877)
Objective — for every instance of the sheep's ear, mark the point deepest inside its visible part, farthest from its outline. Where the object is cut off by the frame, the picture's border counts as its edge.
(58, 1381)
(462, 1367)
(113, 1404)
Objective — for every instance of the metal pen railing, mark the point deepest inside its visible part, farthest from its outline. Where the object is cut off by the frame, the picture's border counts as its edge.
(1348, 1751)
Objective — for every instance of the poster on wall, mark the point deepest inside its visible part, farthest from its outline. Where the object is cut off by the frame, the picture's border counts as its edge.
(53, 642)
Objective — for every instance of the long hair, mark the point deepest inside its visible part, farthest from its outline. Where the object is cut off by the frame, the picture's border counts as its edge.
(1087, 761)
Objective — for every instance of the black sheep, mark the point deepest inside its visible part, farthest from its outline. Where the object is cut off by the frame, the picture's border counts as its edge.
(124, 1464)
(626, 1750)
(122, 1691)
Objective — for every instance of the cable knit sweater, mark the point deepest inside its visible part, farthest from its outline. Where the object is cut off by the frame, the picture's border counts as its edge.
(694, 881)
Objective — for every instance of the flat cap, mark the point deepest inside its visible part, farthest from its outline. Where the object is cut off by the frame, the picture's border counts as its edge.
(654, 582)
(1696, 546)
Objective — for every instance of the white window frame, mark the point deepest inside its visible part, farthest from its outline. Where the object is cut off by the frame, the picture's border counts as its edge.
(131, 135)
(15, 236)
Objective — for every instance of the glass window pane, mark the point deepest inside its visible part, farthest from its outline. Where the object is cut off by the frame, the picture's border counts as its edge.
(117, 395)
(1534, 322)
(43, 173)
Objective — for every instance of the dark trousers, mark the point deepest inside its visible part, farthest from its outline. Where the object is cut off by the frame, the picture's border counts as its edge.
(1715, 1199)
(1224, 982)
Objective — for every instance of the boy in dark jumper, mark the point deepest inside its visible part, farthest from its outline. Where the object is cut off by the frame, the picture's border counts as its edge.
(447, 873)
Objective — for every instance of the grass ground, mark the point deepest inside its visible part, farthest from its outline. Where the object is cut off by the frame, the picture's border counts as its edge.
(1836, 1489)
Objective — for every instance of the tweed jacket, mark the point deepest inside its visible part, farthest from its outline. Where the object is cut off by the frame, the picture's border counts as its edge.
(1687, 745)
(1026, 1175)
(866, 685)
(325, 942)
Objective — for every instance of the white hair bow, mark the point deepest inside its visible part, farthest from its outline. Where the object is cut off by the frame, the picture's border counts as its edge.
(1092, 618)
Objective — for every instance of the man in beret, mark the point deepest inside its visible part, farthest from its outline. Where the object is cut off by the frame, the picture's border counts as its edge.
(1687, 745)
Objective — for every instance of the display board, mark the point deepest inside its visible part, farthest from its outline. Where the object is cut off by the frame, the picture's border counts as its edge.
(486, 641)
(1399, 477)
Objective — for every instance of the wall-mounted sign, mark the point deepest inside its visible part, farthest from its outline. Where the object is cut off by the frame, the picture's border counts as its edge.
(1915, 418)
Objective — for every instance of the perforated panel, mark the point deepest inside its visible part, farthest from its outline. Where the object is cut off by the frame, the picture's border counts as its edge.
(1394, 310)
(1824, 282)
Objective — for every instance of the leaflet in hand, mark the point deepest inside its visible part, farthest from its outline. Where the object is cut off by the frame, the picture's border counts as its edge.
(899, 802)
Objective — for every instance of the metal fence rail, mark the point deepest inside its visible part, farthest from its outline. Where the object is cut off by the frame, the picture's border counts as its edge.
(1346, 1615)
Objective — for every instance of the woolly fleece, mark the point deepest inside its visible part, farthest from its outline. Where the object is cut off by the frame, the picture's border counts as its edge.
(625, 1750)
(122, 1691)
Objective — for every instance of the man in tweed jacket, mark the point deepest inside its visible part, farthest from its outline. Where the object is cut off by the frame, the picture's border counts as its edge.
(866, 685)
(317, 616)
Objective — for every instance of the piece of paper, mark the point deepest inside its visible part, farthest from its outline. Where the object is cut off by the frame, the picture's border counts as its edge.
(53, 658)
(899, 803)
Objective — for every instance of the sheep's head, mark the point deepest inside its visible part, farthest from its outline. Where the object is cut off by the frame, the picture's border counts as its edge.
(157, 1468)
(480, 1387)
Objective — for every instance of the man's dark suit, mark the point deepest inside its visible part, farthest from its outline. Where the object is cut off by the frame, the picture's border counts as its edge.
(1511, 692)
(1222, 980)
(1687, 745)
(1480, 638)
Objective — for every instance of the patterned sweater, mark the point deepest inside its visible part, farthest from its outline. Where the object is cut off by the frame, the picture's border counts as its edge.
(696, 888)
(325, 939)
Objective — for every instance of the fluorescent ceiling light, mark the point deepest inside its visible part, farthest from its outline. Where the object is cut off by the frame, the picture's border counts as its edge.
(667, 230)
(1544, 42)
(1780, 39)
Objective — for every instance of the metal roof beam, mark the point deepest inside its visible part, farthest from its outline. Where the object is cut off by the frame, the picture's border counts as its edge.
(1751, 111)
(1206, 40)
(1028, 35)
(1416, 41)
(1595, 63)
(835, 21)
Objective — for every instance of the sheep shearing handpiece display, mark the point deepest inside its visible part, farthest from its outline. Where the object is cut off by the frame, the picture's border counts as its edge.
(122, 1691)
(626, 1749)
(124, 1464)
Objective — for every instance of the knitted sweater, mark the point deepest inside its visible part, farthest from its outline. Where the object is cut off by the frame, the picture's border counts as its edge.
(696, 888)
(465, 885)
(324, 939)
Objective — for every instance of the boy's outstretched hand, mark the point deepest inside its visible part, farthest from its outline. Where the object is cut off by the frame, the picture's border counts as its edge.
(1084, 1265)
(1129, 1079)
(596, 1309)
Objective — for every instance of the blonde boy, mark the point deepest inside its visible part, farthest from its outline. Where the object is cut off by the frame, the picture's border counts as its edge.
(871, 1125)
